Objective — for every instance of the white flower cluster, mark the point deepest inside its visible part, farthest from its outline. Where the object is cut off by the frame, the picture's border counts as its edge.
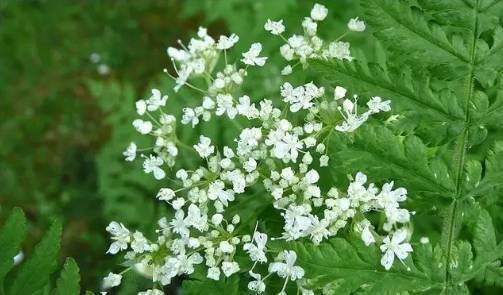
(280, 149)
(301, 48)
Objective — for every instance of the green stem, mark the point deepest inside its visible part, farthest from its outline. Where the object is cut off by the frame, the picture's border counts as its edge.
(463, 145)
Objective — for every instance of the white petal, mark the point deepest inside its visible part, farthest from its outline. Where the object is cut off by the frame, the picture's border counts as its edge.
(159, 173)
(387, 259)
(402, 251)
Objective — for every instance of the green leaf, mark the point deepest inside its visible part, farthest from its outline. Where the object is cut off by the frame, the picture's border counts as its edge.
(484, 238)
(35, 272)
(404, 29)
(383, 155)
(11, 236)
(225, 286)
(349, 267)
(68, 282)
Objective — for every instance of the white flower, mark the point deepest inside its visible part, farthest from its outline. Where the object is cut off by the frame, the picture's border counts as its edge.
(257, 286)
(339, 92)
(225, 104)
(309, 26)
(152, 165)
(352, 119)
(144, 127)
(226, 247)
(287, 269)
(286, 70)
(257, 251)
(250, 165)
(130, 152)
(156, 101)
(356, 25)
(339, 50)
(424, 240)
(216, 191)
(376, 105)
(141, 107)
(246, 109)
(324, 161)
(204, 147)
(229, 268)
(275, 27)
(213, 273)
(251, 57)
(120, 236)
(395, 246)
(319, 12)
(312, 176)
(112, 280)
(165, 194)
(190, 116)
(227, 42)
(139, 244)
(367, 236)
(151, 292)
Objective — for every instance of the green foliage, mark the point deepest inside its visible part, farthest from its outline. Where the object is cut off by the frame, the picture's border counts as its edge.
(34, 274)
(68, 281)
(199, 283)
(11, 236)
(440, 64)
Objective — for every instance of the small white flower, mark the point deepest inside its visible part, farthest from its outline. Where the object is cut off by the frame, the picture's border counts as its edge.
(339, 92)
(257, 250)
(367, 236)
(324, 161)
(376, 105)
(275, 27)
(319, 12)
(312, 176)
(287, 269)
(309, 26)
(156, 101)
(204, 147)
(151, 292)
(144, 127)
(141, 107)
(339, 50)
(395, 246)
(229, 268)
(120, 236)
(216, 190)
(251, 57)
(112, 280)
(130, 152)
(286, 70)
(165, 194)
(424, 240)
(356, 25)
(227, 42)
(250, 165)
(226, 247)
(213, 273)
(152, 165)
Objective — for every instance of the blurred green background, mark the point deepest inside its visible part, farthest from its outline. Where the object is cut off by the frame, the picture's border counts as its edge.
(70, 72)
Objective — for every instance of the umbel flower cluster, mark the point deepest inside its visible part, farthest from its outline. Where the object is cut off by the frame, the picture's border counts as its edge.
(279, 152)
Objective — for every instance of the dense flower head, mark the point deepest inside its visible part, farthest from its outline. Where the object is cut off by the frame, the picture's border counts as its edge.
(280, 145)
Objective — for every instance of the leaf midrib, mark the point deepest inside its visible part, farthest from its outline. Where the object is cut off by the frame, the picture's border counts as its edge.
(463, 148)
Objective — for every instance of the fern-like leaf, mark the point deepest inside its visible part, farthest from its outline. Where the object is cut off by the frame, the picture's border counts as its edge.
(68, 281)
(11, 236)
(35, 272)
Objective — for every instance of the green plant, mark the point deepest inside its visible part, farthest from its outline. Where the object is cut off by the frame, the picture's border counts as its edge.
(441, 68)
(440, 64)
(34, 275)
